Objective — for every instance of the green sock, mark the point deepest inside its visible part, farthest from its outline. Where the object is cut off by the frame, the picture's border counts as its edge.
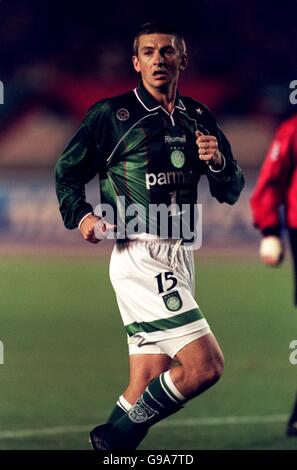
(160, 399)
(122, 407)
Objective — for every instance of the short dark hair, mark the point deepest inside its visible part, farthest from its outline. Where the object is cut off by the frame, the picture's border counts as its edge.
(159, 26)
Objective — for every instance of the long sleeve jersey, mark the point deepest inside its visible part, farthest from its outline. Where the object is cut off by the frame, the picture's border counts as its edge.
(142, 153)
(277, 181)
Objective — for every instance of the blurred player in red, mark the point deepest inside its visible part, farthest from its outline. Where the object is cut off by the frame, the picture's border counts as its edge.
(276, 188)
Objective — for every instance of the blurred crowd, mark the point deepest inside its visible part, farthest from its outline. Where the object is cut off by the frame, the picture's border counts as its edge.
(58, 58)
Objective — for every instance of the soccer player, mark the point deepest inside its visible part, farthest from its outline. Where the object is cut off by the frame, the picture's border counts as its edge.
(277, 187)
(151, 146)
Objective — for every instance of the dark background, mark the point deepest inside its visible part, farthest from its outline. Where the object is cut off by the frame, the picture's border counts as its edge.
(57, 58)
(246, 50)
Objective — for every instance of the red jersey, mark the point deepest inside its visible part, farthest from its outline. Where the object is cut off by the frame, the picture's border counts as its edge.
(277, 181)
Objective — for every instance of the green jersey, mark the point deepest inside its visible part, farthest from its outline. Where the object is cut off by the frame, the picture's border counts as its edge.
(144, 156)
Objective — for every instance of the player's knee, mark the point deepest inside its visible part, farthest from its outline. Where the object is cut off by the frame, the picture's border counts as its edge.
(201, 378)
(211, 374)
(216, 369)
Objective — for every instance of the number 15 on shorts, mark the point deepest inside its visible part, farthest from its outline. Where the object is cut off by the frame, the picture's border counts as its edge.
(166, 281)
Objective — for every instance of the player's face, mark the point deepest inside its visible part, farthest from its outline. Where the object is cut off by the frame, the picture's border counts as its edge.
(159, 60)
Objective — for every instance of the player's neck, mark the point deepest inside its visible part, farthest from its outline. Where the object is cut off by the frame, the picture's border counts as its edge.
(165, 96)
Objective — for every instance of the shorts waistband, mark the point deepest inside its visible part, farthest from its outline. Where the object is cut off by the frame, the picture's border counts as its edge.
(147, 239)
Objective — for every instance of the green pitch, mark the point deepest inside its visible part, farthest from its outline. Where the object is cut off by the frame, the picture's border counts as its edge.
(66, 356)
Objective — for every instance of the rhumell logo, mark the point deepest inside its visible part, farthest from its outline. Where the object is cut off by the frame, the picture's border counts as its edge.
(175, 139)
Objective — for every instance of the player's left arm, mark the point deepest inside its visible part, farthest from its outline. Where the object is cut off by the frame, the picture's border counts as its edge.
(224, 175)
(208, 150)
(270, 194)
(273, 182)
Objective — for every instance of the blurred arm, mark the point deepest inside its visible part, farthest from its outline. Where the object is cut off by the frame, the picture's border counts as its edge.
(272, 185)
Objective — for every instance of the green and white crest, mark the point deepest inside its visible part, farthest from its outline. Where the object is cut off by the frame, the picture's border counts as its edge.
(172, 301)
(141, 412)
(177, 158)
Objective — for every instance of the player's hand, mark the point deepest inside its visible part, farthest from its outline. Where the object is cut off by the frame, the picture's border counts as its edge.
(94, 229)
(102, 229)
(87, 229)
(208, 150)
(271, 250)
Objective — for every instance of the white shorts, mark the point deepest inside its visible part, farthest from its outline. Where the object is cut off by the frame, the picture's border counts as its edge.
(170, 347)
(154, 285)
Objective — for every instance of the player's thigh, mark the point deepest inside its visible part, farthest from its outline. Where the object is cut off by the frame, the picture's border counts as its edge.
(203, 353)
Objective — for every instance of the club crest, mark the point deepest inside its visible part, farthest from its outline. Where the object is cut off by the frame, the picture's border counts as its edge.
(141, 412)
(172, 301)
(177, 158)
(123, 114)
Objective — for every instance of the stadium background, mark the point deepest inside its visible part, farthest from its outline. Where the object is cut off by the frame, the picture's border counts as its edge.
(65, 353)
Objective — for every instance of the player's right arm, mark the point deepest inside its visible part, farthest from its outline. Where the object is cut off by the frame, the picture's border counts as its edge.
(94, 229)
(87, 228)
(271, 188)
(270, 194)
(77, 165)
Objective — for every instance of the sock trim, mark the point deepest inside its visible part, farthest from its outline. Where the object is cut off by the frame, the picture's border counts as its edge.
(167, 390)
(120, 406)
(153, 398)
(168, 381)
(124, 404)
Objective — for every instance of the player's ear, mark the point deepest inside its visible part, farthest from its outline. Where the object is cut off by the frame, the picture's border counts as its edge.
(183, 62)
(136, 63)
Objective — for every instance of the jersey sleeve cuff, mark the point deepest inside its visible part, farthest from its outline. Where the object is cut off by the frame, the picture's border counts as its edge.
(82, 214)
(83, 218)
(221, 169)
(271, 231)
